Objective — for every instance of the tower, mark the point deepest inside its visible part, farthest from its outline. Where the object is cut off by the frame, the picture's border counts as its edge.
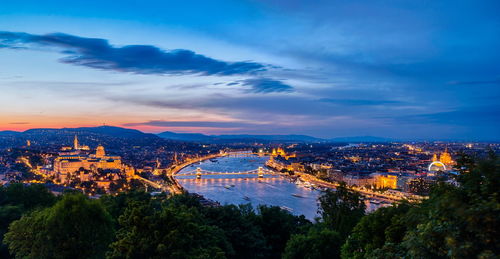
(198, 173)
(158, 164)
(260, 172)
(434, 158)
(75, 143)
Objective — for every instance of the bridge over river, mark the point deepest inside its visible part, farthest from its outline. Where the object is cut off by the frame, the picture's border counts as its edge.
(178, 172)
(260, 172)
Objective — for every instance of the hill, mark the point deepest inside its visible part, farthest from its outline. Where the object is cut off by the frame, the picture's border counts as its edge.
(198, 137)
(111, 137)
(359, 139)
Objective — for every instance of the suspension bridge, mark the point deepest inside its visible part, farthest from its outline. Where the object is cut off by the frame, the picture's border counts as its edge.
(173, 171)
(260, 172)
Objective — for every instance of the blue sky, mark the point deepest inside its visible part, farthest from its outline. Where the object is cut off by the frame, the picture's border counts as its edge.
(400, 69)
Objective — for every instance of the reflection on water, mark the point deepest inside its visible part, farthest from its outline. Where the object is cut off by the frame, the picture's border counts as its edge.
(242, 189)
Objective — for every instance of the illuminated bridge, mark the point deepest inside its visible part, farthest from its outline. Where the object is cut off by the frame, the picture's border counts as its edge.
(245, 153)
(260, 172)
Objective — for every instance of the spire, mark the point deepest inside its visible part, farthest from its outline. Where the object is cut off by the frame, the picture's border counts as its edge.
(75, 143)
(158, 164)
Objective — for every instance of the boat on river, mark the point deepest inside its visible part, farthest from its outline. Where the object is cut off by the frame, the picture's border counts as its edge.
(286, 192)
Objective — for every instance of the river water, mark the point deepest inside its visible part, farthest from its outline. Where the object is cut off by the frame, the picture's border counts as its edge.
(243, 189)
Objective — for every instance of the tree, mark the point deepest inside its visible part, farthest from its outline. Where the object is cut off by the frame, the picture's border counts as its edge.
(171, 232)
(18, 199)
(245, 237)
(116, 205)
(27, 196)
(374, 230)
(75, 227)
(8, 213)
(455, 221)
(278, 225)
(461, 222)
(341, 209)
(319, 243)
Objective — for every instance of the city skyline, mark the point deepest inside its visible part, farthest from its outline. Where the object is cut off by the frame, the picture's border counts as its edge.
(397, 70)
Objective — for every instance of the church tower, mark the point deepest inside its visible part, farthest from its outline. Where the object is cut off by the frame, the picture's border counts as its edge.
(158, 164)
(75, 143)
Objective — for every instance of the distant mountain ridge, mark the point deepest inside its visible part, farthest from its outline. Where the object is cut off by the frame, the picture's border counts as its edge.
(184, 136)
(236, 137)
(247, 137)
(109, 136)
(9, 132)
(361, 139)
(133, 134)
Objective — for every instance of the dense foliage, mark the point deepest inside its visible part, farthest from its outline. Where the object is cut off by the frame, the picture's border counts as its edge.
(75, 227)
(17, 200)
(458, 220)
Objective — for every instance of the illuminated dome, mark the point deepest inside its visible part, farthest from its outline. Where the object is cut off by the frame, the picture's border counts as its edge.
(100, 151)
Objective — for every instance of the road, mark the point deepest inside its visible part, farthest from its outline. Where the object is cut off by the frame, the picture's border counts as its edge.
(363, 191)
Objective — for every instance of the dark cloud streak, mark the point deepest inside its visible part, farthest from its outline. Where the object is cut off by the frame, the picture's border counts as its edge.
(141, 59)
(198, 124)
(482, 82)
(358, 102)
(266, 85)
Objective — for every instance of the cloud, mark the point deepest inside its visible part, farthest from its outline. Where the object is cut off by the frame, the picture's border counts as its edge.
(265, 85)
(141, 59)
(476, 116)
(253, 107)
(482, 82)
(198, 124)
(358, 102)
(20, 123)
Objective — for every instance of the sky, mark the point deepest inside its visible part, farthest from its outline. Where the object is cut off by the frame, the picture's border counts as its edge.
(413, 70)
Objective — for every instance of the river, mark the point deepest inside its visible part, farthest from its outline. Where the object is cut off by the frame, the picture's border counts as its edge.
(242, 189)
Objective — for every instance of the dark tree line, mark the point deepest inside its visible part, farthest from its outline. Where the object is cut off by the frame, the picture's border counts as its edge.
(456, 221)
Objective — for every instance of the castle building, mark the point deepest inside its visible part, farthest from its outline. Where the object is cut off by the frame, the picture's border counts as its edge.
(281, 152)
(72, 163)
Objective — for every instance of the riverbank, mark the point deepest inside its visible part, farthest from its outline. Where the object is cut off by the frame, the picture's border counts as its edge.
(271, 190)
